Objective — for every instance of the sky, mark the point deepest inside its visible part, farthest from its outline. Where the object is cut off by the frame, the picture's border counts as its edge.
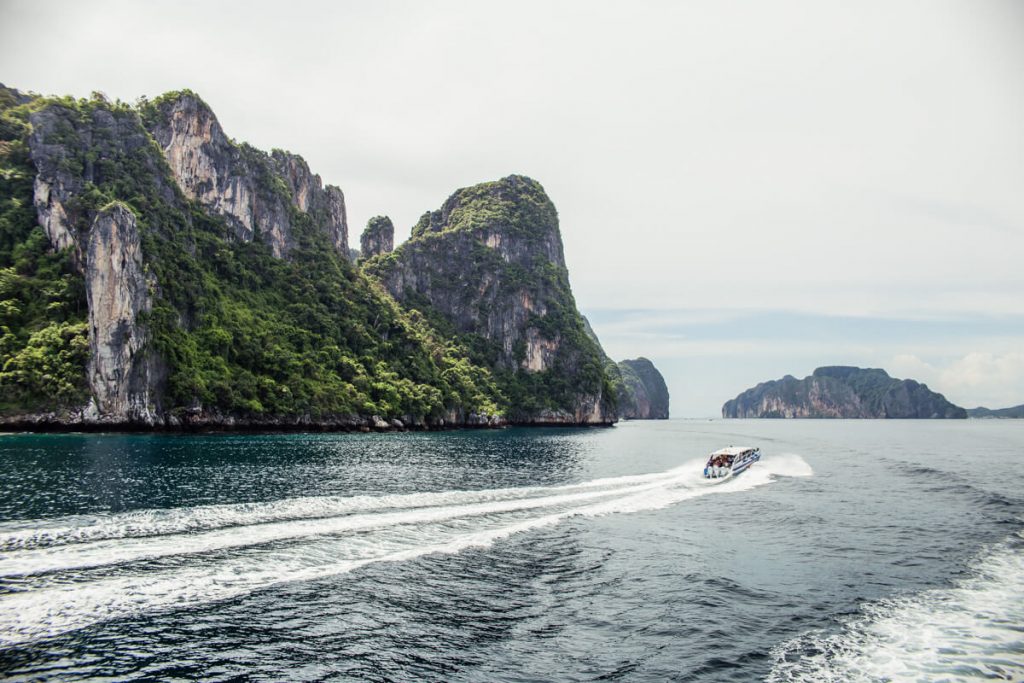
(745, 189)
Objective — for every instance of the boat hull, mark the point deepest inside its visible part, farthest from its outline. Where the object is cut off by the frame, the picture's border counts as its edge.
(740, 464)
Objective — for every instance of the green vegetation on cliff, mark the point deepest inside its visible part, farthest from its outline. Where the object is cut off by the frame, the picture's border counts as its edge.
(154, 271)
(238, 330)
(43, 334)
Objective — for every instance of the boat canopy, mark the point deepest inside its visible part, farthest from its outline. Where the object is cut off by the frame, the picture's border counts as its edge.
(733, 450)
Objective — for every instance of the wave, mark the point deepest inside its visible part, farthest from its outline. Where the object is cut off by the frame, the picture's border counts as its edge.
(972, 631)
(153, 560)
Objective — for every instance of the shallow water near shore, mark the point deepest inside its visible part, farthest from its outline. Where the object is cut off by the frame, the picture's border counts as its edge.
(854, 551)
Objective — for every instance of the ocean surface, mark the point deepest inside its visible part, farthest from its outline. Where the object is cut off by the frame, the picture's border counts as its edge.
(854, 551)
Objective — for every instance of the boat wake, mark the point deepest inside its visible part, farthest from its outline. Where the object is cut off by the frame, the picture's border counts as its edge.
(65, 574)
(970, 632)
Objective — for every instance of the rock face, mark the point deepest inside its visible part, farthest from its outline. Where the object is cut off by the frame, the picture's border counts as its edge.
(489, 266)
(378, 238)
(254, 191)
(643, 394)
(842, 392)
(63, 175)
(1016, 412)
(124, 379)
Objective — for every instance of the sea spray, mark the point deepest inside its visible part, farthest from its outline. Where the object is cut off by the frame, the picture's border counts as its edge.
(970, 631)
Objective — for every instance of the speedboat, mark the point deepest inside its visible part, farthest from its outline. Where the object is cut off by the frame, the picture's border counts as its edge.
(728, 462)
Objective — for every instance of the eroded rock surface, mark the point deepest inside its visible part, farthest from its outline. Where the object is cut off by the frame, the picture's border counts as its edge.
(253, 190)
(122, 376)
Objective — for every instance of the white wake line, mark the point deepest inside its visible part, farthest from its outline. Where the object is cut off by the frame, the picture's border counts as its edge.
(155, 522)
(972, 628)
(131, 549)
(35, 614)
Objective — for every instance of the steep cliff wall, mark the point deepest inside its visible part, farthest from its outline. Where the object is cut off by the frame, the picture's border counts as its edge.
(125, 378)
(71, 151)
(842, 392)
(252, 190)
(489, 267)
(643, 394)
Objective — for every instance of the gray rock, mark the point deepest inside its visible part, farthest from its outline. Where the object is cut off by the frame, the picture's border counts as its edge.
(252, 190)
(124, 379)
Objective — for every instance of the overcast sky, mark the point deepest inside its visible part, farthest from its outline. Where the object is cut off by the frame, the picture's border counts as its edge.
(745, 190)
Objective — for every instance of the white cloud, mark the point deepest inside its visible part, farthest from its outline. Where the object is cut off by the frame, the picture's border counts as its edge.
(701, 154)
(979, 378)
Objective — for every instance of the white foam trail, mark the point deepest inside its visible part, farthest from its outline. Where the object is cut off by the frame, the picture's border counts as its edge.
(51, 607)
(787, 465)
(131, 549)
(971, 632)
(82, 528)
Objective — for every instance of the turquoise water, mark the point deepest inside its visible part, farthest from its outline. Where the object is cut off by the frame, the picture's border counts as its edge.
(854, 551)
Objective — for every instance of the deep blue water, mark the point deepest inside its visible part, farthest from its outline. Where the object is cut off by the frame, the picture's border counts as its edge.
(855, 551)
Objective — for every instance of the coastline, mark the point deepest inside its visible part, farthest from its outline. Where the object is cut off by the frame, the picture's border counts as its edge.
(229, 424)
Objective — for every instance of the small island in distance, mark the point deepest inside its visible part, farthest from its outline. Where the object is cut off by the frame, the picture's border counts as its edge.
(842, 392)
(1015, 412)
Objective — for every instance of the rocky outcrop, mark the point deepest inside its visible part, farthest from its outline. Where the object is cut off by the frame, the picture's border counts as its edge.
(325, 203)
(123, 377)
(489, 264)
(842, 392)
(254, 191)
(643, 394)
(377, 238)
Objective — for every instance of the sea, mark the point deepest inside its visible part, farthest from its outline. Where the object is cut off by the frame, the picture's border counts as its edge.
(855, 550)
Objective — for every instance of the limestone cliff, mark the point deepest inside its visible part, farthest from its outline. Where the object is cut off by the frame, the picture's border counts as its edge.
(153, 273)
(252, 190)
(125, 378)
(489, 266)
(377, 238)
(156, 274)
(842, 392)
(643, 394)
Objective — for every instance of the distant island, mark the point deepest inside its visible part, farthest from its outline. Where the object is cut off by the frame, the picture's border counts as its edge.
(644, 394)
(842, 392)
(1016, 412)
(157, 274)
